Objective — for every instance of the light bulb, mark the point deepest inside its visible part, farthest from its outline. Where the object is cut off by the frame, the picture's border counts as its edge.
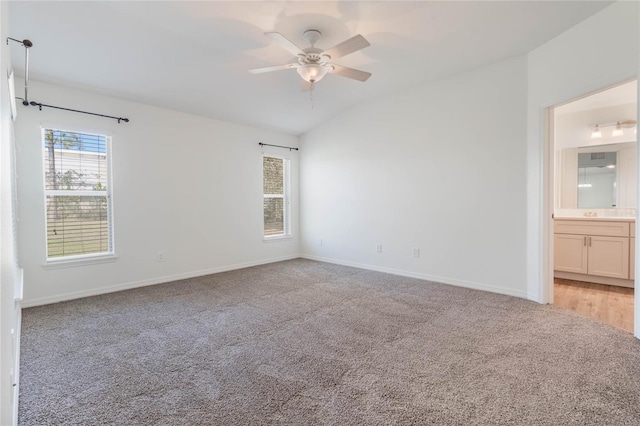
(617, 131)
(597, 133)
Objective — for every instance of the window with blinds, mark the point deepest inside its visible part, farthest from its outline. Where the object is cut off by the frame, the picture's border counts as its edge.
(77, 170)
(275, 172)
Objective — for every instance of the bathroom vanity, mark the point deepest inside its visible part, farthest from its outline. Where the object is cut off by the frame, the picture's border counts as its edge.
(595, 249)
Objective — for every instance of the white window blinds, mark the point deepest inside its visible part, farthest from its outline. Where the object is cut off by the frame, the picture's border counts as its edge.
(77, 193)
(275, 173)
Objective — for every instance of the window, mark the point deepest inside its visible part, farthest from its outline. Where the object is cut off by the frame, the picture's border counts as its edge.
(275, 172)
(77, 187)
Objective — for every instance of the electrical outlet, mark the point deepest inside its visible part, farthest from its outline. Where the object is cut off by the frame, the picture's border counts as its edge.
(160, 256)
(379, 248)
(416, 252)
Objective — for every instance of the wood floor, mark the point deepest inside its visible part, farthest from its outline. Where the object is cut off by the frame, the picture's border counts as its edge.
(607, 303)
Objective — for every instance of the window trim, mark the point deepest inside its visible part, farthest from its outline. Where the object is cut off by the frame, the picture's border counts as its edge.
(286, 196)
(79, 260)
(87, 258)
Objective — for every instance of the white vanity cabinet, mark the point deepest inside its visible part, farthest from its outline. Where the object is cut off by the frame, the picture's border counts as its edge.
(571, 253)
(632, 251)
(594, 250)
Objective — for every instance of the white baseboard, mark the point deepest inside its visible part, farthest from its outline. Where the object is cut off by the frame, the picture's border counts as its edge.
(421, 276)
(159, 280)
(533, 297)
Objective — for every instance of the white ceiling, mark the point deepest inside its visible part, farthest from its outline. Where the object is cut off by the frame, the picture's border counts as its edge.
(194, 56)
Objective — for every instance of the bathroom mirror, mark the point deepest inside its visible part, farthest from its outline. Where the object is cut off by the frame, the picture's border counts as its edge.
(597, 177)
(597, 180)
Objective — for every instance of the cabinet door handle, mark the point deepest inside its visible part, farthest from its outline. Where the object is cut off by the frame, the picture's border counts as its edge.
(585, 241)
(589, 241)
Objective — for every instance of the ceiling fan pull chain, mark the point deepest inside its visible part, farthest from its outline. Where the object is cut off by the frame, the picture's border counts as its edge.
(313, 85)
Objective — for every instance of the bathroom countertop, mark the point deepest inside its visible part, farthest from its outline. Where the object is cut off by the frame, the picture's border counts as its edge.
(598, 218)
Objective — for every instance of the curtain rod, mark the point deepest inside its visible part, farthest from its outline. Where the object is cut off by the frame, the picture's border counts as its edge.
(25, 101)
(40, 105)
(277, 146)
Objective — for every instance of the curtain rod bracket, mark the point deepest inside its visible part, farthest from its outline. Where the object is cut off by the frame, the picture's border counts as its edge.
(26, 43)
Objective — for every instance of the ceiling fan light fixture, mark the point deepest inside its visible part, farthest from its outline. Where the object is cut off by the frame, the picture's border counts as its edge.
(312, 73)
(313, 63)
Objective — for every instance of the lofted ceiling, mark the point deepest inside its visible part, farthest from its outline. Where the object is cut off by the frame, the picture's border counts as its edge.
(194, 56)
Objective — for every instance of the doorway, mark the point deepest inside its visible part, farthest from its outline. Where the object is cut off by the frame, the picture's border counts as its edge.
(594, 160)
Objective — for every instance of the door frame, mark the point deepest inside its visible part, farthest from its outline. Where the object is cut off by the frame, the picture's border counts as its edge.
(548, 191)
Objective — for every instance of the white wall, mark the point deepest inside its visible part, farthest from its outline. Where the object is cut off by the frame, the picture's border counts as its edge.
(571, 65)
(185, 185)
(10, 275)
(440, 168)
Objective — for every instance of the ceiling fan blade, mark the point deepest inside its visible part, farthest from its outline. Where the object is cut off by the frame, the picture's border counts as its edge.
(347, 47)
(350, 73)
(285, 43)
(274, 68)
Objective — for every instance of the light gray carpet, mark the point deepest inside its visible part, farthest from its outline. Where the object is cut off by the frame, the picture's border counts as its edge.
(303, 342)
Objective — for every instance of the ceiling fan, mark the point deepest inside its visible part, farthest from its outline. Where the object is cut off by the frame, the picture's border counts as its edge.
(313, 63)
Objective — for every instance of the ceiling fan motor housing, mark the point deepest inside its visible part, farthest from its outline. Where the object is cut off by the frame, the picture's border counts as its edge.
(312, 36)
(313, 58)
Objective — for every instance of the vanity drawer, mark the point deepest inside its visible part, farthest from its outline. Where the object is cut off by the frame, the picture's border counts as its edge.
(584, 227)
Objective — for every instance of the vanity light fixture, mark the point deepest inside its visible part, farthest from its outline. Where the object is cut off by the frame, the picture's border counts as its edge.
(618, 131)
